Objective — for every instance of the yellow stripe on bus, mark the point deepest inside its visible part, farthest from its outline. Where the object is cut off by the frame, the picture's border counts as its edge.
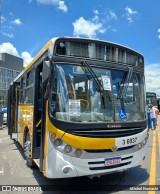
(82, 142)
(46, 46)
(152, 179)
(35, 161)
(46, 142)
(89, 143)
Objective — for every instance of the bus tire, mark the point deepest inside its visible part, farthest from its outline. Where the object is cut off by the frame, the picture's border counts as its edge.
(27, 151)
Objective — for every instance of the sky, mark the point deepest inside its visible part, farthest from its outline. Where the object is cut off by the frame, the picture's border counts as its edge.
(27, 25)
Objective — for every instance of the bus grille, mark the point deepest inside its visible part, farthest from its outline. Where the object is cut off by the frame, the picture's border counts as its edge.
(109, 150)
(108, 133)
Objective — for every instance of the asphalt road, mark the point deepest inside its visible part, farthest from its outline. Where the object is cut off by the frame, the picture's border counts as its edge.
(13, 171)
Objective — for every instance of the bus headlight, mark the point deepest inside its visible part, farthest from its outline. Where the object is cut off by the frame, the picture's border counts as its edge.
(67, 149)
(139, 146)
(64, 148)
(78, 153)
(143, 143)
(57, 142)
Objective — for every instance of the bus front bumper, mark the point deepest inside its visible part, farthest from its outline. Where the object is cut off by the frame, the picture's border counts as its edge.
(59, 165)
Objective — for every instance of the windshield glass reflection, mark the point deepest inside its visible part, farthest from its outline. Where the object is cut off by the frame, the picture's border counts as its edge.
(76, 98)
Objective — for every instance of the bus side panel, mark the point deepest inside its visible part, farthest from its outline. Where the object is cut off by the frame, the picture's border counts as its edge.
(25, 122)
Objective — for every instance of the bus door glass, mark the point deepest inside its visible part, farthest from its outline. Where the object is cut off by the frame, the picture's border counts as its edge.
(15, 105)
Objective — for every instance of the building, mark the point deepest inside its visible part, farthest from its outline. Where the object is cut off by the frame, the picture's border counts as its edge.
(10, 67)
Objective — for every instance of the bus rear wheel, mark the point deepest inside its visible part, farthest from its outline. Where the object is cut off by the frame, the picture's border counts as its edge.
(27, 151)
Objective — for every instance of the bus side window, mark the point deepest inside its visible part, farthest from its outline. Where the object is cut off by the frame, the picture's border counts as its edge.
(22, 90)
(29, 87)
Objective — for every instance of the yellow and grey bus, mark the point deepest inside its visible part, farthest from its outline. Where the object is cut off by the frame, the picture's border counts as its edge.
(78, 109)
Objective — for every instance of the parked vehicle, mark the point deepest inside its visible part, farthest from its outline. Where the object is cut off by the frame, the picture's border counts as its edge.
(4, 111)
(1, 119)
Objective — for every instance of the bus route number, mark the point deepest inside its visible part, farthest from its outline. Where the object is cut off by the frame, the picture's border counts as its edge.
(129, 141)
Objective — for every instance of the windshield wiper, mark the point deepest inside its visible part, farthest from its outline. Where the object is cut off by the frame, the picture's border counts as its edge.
(97, 83)
(122, 92)
(99, 87)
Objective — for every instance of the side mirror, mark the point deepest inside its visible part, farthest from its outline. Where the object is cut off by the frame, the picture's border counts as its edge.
(46, 70)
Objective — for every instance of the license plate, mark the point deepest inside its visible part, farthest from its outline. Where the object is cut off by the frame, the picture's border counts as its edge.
(112, 161)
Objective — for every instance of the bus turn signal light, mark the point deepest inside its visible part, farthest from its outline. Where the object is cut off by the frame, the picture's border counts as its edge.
(53, 135)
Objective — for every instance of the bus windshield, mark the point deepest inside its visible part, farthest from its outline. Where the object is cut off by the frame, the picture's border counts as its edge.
(75, 96)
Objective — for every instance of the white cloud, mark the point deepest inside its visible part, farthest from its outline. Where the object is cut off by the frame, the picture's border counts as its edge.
(152, 75)
(2, 19)
(100, 22)
(112, 15)
(9, 25)
(95, 18)
(114, 30)
(108, 16)
(96, 12)
(7, 47)
(130, 14)
(62, 6)
(26, 57)
(17, 22)
(158, 33)
(130, 11)
(130, 19)
(58, 3)
(47, 1)
(8, 35)
(83, 27)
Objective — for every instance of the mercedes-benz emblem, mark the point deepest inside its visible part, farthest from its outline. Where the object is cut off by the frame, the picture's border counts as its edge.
(114, 148)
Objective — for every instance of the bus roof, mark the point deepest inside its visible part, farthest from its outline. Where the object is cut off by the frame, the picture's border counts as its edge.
(53, 40)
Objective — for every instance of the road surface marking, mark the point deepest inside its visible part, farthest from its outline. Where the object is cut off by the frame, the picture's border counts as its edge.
(2, 171)
(159, 143)
(152, 179)
(11, 167)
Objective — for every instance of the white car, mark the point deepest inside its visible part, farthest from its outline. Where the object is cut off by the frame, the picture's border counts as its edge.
(4, 111)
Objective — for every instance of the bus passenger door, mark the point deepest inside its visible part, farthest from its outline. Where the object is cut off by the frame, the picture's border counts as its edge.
(39, 113)
(12, 115)
(37, 123)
